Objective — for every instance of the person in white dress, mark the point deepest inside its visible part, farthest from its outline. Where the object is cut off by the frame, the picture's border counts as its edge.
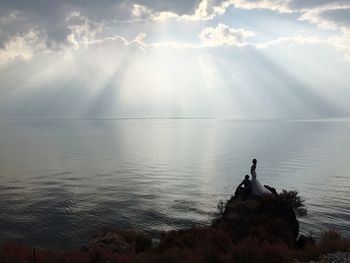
(256, 187)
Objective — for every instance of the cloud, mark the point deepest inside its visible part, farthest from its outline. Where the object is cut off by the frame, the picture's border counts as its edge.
(301, 40)
(328, 17)
(201, 13)
(82, 29)
(324, 14)
(341, 17)
(210, 37)
(142, 13)
(310, 4)
(13, 24)
(50, 17)
(22, 46)
(222, 35)
(57, 25)
(341, 44)
(275, 5)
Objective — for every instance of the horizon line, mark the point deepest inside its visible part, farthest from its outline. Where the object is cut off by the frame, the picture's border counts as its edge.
(178, 118)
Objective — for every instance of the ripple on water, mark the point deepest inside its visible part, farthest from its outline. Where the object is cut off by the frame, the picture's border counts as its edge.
(66, 180)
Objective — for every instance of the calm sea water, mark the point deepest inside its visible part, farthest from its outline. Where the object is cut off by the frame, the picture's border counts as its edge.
(61, 180)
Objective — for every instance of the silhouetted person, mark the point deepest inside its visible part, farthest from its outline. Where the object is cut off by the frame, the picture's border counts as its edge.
(253, 168)
(244, 187)
(257, 188)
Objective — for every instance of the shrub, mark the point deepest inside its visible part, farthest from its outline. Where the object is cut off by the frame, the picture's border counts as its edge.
(140, 241)
(292, 199)
(220, 211)
(189, 238)
(251, 250)
(331, 235)
(332, 240)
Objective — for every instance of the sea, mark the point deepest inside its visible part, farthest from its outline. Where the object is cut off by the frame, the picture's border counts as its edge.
(63, 180)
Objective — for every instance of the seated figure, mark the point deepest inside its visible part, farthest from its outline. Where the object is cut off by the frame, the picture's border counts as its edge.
(244, 187)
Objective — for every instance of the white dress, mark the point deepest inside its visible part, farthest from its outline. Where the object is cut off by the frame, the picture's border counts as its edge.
(257, 188)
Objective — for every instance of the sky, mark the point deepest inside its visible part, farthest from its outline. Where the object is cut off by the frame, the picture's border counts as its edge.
(240, 59)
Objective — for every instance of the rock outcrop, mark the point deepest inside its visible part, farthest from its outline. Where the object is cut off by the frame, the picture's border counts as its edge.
(268, 218)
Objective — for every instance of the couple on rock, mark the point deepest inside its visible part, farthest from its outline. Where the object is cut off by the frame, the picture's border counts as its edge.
(253, 186)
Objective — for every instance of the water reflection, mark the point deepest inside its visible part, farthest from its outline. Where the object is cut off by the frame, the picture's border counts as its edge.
(60, 180)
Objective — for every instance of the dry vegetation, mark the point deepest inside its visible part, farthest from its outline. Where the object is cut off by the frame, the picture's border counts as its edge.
(215, 243)
(195, 245)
